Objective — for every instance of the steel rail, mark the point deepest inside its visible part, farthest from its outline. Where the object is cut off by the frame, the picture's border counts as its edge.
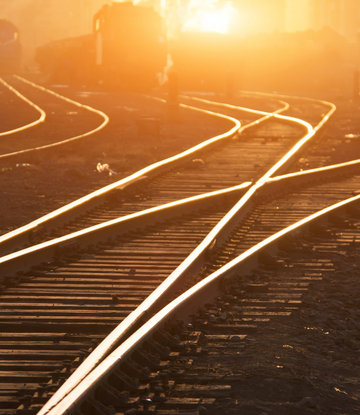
(9, 241)
(61, 214)
(30, 256)
(311, 131)
(276, 96)
(267, 115)
(32, 124)
(322, 172)
(236, 107)
(201, 293)
(171, 284)
(37, 252)
(68, 140)
(25, 258)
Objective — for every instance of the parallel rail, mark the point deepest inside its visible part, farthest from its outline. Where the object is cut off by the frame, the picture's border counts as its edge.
(30, 125)
(195, 262)
(21, 236)
(43, 115)
(90, 373)
(182, 307)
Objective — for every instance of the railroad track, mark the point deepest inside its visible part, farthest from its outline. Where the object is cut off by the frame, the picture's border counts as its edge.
(192, 362)
(59, 116)
(35, 231)
(188, 174)
(13, 129)
(42, 315)
(282, 297)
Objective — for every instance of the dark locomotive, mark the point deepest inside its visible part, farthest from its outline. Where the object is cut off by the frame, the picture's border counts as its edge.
(10, 48)
(127, 49)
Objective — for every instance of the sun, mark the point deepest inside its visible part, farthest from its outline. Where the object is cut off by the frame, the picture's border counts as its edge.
(208, 17)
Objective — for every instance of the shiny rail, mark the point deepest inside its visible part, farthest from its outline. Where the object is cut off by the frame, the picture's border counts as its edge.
(192, 262)
(68, 140)
(40, 120)
(191, 299)
(11, 240)
(311, 131)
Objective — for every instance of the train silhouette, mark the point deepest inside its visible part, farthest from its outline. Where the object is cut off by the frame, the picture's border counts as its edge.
(127, 49)
(10, 47)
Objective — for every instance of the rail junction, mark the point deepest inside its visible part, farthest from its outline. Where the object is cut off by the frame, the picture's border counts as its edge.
(124, 301)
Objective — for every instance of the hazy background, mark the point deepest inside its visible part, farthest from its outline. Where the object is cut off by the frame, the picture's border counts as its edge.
(41, 21)
(297, 32)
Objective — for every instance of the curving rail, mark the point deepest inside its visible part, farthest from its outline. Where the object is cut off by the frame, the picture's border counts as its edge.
(311, 131)
(193, 260)
(10, 241)
(182, 306)
(30, 125)
(263, 186)
(70, 101)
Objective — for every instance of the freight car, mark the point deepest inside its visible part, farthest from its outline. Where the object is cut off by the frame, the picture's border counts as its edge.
(127, 49)
(10, 48)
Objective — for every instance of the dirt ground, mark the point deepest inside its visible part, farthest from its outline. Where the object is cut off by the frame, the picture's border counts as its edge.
(307, 363)
(34, 184)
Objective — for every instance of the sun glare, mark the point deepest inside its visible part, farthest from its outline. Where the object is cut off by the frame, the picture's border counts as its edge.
(207, 16)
